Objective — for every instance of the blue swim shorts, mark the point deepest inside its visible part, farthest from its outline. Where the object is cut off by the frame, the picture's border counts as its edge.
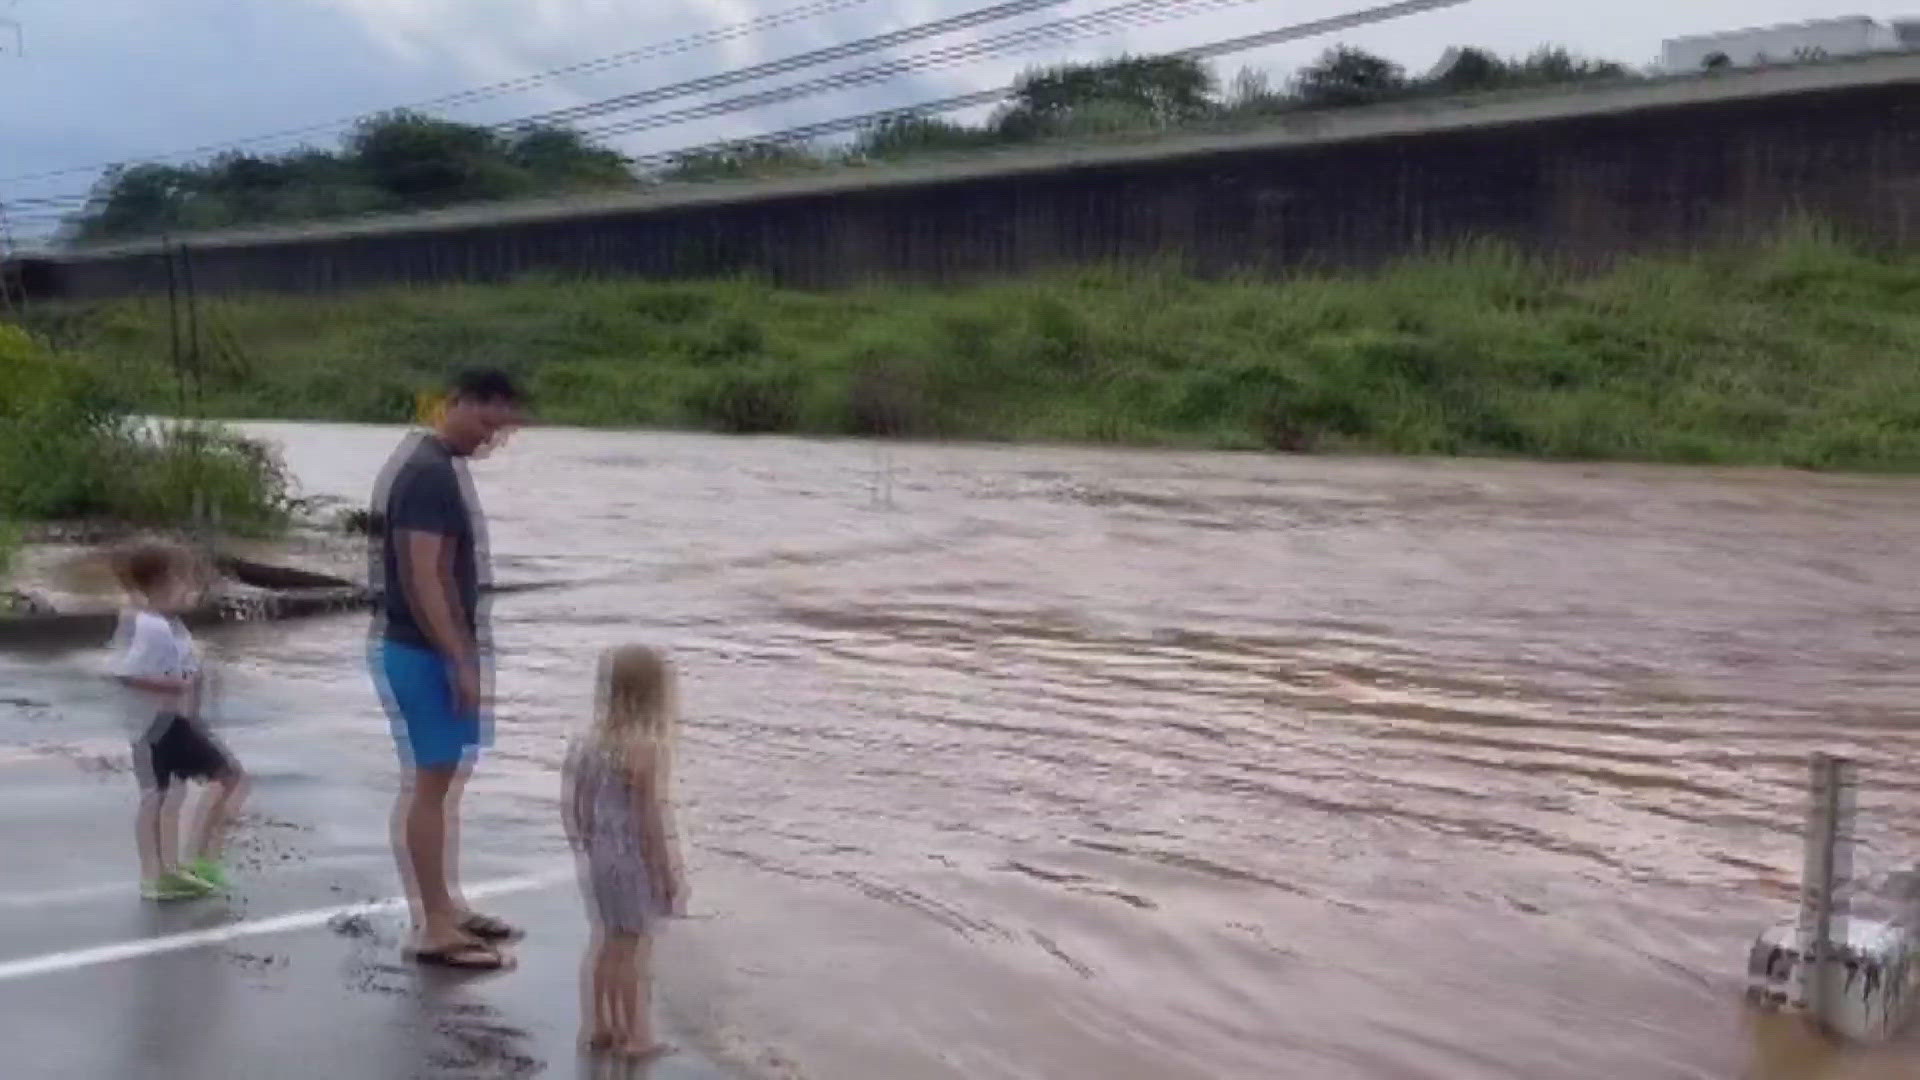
(430, 729)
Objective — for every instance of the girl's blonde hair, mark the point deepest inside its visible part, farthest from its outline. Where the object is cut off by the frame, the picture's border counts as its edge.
(635, 725)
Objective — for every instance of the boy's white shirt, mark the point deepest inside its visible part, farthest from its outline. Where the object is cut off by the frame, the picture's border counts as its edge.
(148, 644)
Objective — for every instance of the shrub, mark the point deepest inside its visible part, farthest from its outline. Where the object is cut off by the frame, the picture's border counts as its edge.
(889, 399)
(745, 399)
(201, 474)
(58, 426)
(69, 449)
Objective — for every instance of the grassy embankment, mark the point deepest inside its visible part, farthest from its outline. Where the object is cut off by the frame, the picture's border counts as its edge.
(70, 449)
(1800, 353)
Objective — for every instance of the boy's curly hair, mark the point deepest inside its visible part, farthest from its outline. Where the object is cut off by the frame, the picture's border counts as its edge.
(144, 566)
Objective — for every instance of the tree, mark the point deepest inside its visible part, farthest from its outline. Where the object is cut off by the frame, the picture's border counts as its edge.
(1250, 86)
(408, 160)
(1161, 90)
(136, 200)
(1554, 64)
(424, 161)
(244, 188)
(1252, 94)
(741, 162)
(1345, 76)
(397, 161)
(560, 157)
(902, 136)
(1473, 69)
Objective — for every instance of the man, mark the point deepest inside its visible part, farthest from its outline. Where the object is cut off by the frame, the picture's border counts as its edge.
(429, 654)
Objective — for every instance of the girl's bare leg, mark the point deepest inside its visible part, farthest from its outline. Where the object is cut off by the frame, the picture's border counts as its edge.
(605, 1028)
(620, 988)
(636, 987)
(613, 1027)
(593, 1025)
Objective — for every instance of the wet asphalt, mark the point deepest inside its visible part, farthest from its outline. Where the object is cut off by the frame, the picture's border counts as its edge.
(274, 980)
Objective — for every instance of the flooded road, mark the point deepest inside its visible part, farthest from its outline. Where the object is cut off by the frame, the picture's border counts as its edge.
(1040, 762)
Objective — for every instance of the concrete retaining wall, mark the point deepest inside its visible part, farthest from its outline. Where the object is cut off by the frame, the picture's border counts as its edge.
(1587, 174)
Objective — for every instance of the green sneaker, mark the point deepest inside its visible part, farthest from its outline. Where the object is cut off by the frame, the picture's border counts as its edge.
(175, 885)
(209, 871)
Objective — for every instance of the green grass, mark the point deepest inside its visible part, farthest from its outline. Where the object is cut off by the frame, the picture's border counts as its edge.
(70, 449)
(1800, 352)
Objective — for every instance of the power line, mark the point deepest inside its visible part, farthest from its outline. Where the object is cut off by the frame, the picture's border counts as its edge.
(809, 132)
(689, 42)
(963, 21)
(1331, 24)
(1133, 13)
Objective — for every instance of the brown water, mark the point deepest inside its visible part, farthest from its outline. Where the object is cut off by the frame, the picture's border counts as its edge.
(1039, 762)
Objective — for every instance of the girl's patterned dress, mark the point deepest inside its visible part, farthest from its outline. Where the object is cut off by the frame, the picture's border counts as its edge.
(605, 814)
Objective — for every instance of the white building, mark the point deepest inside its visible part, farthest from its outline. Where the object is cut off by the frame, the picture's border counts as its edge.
(1788, 44)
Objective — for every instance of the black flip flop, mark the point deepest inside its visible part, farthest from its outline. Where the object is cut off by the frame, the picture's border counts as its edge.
(462, 956)
(488, 928)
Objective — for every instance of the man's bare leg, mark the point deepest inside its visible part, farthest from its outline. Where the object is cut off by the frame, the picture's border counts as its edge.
(450, 869)
(422, 817)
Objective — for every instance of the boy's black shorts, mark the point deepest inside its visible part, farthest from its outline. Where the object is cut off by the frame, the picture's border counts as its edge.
(178, 747)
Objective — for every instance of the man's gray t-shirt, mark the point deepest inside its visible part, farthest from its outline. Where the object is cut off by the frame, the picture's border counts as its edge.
(425, 489)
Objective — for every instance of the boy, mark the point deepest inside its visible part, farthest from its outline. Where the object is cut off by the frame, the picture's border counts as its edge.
(159, 673)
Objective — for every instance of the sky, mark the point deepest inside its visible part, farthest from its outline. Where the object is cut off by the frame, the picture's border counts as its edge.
(101, 81)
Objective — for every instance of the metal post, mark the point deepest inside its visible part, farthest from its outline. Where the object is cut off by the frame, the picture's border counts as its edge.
(1829, 863)
(193, 328)
(173, 321)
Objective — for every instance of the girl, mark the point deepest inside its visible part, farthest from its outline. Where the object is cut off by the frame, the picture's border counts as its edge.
(618, 820)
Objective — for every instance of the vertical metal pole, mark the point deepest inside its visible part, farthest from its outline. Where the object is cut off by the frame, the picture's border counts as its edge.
(173, 322)
(196, 445)
(193, 327)
(1828, 865)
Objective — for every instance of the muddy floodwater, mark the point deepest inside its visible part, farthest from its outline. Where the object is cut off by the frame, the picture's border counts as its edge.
(1041, 762)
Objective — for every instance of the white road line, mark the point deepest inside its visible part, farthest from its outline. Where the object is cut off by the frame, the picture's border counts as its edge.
(275, 871)
(127, 887)
(299, 920)
(66, 896)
